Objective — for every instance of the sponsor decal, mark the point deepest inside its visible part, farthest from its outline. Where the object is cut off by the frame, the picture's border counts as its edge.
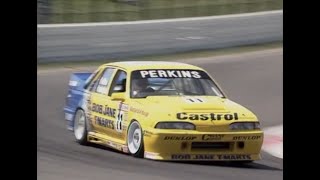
(210, 157)
(246, 138)
(86, 105)
(125, 149)
(139, 111)
(147, 133)
(103, 122)
(116, 145)
(112, 144)
(124, 128)
(169, 73)
(123, 107)
(119, 147)
(235, 157)
(73, 83)
(111, 112)
(180, 138)
(150, 155)
(210, 116)
(208, 137)
(109, 143)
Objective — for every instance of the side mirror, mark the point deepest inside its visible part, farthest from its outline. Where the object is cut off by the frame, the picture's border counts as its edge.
(117, 96)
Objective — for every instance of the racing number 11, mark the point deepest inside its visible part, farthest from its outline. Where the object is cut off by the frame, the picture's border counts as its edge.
(119, 119)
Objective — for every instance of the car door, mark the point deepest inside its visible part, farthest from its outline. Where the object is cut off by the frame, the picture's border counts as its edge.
(101, 115)
(89, 87)
(119, 85)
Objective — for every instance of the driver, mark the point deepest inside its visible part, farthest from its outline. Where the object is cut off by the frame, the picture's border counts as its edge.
(141, 86)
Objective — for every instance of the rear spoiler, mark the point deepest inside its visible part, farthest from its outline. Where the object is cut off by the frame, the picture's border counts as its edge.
(78, 80)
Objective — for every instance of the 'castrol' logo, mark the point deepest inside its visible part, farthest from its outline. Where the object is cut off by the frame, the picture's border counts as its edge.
(204, 117)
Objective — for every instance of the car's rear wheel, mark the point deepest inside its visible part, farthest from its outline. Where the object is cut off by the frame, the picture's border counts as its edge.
(135, 140)
(80, 127)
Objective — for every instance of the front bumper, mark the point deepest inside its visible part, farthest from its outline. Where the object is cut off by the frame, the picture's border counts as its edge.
(189, 146)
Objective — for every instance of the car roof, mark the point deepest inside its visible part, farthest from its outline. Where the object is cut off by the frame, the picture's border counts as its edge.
(137, 65)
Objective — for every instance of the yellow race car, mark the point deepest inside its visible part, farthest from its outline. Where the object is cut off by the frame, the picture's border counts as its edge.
(161, 111)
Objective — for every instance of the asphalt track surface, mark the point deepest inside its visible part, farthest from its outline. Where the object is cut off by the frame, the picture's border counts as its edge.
(254, 80)
(122, 41)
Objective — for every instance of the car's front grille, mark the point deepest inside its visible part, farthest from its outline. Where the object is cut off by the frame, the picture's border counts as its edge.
(210, 145)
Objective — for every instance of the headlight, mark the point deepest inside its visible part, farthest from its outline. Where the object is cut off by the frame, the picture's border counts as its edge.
(175, 125)
(244, 126)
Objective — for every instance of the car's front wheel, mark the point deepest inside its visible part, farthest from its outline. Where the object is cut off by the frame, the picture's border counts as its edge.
(80, 127)
(135, 140)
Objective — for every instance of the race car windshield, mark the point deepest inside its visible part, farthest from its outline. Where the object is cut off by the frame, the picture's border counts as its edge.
(172, 82)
